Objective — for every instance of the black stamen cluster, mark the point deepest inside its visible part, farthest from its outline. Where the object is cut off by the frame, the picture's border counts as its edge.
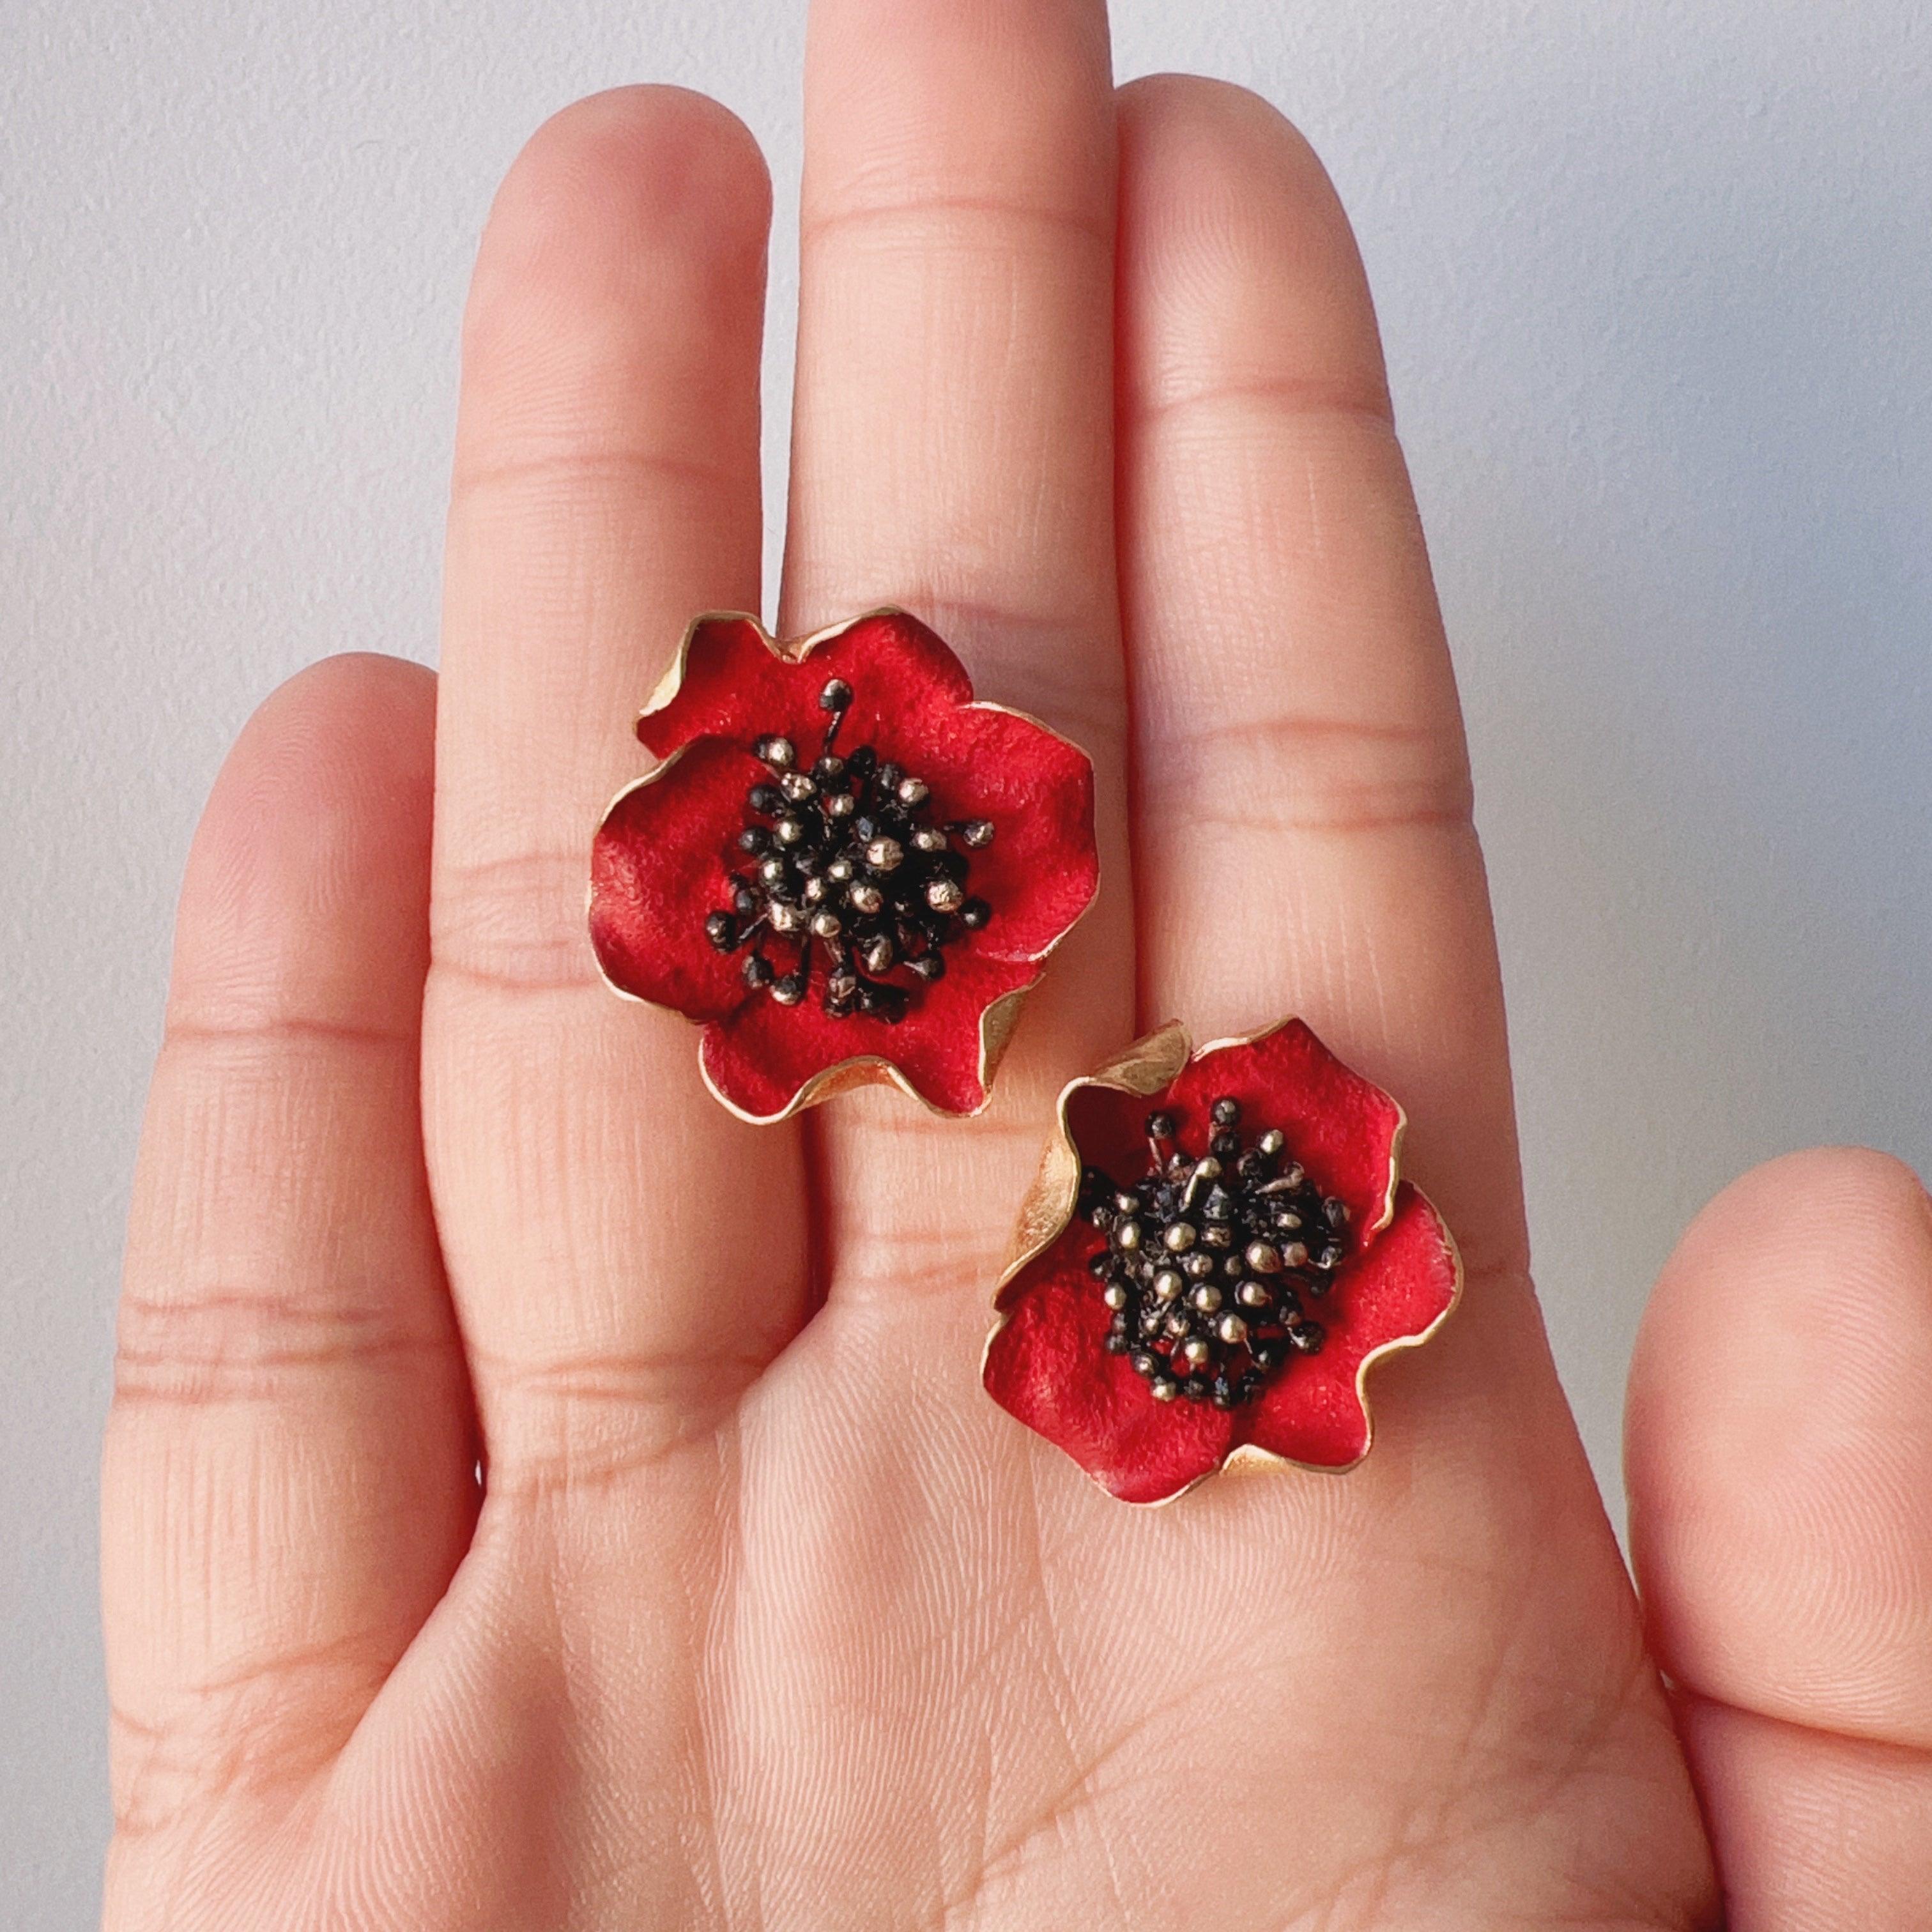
(847, 864)
(1210, 1259)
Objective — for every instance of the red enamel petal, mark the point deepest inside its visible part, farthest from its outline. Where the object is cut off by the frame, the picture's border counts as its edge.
(658, 867)
(735, 686)
(760, 1057)
(1341, 1127)
(1109, 1128)
(1403, 1285)
(1041, 871)
(1047, 1367)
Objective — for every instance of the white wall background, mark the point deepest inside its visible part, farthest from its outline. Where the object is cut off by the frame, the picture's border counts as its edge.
(1656, 276)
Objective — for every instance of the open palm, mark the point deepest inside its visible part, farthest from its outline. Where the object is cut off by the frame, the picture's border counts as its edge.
(762, 1615)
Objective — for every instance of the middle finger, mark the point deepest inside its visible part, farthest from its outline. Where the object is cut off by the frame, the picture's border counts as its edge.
(952, 452)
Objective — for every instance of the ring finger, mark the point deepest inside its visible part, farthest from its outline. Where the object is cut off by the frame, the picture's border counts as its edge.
(606, 487)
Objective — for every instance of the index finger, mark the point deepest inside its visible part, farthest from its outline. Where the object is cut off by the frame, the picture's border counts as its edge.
(1303, 825)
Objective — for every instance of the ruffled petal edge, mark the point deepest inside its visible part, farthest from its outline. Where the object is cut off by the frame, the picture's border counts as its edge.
(766, 1063)
(731, 678)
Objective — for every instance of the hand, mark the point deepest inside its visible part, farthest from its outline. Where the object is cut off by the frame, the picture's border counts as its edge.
(766, 1616)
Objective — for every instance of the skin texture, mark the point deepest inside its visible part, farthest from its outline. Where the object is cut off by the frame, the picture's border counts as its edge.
(764, 1616)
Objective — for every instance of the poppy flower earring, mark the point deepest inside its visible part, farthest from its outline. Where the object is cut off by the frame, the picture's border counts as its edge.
(1218, 1248)
(845, 870)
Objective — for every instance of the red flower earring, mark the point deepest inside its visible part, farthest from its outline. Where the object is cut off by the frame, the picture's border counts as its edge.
(1218, 1248)
(846, 870)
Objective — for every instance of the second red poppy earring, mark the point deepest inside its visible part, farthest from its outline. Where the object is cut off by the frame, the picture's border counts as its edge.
(846, 869)
(1218, 1249)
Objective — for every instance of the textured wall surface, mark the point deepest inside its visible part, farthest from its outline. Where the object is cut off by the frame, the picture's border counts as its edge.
(1656, 276)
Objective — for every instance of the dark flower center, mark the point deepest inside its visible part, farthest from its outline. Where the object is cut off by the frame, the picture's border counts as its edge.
(1211, 1259)
(848, 871)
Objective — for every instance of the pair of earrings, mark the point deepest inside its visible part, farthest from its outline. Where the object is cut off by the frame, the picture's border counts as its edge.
(846, 870)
